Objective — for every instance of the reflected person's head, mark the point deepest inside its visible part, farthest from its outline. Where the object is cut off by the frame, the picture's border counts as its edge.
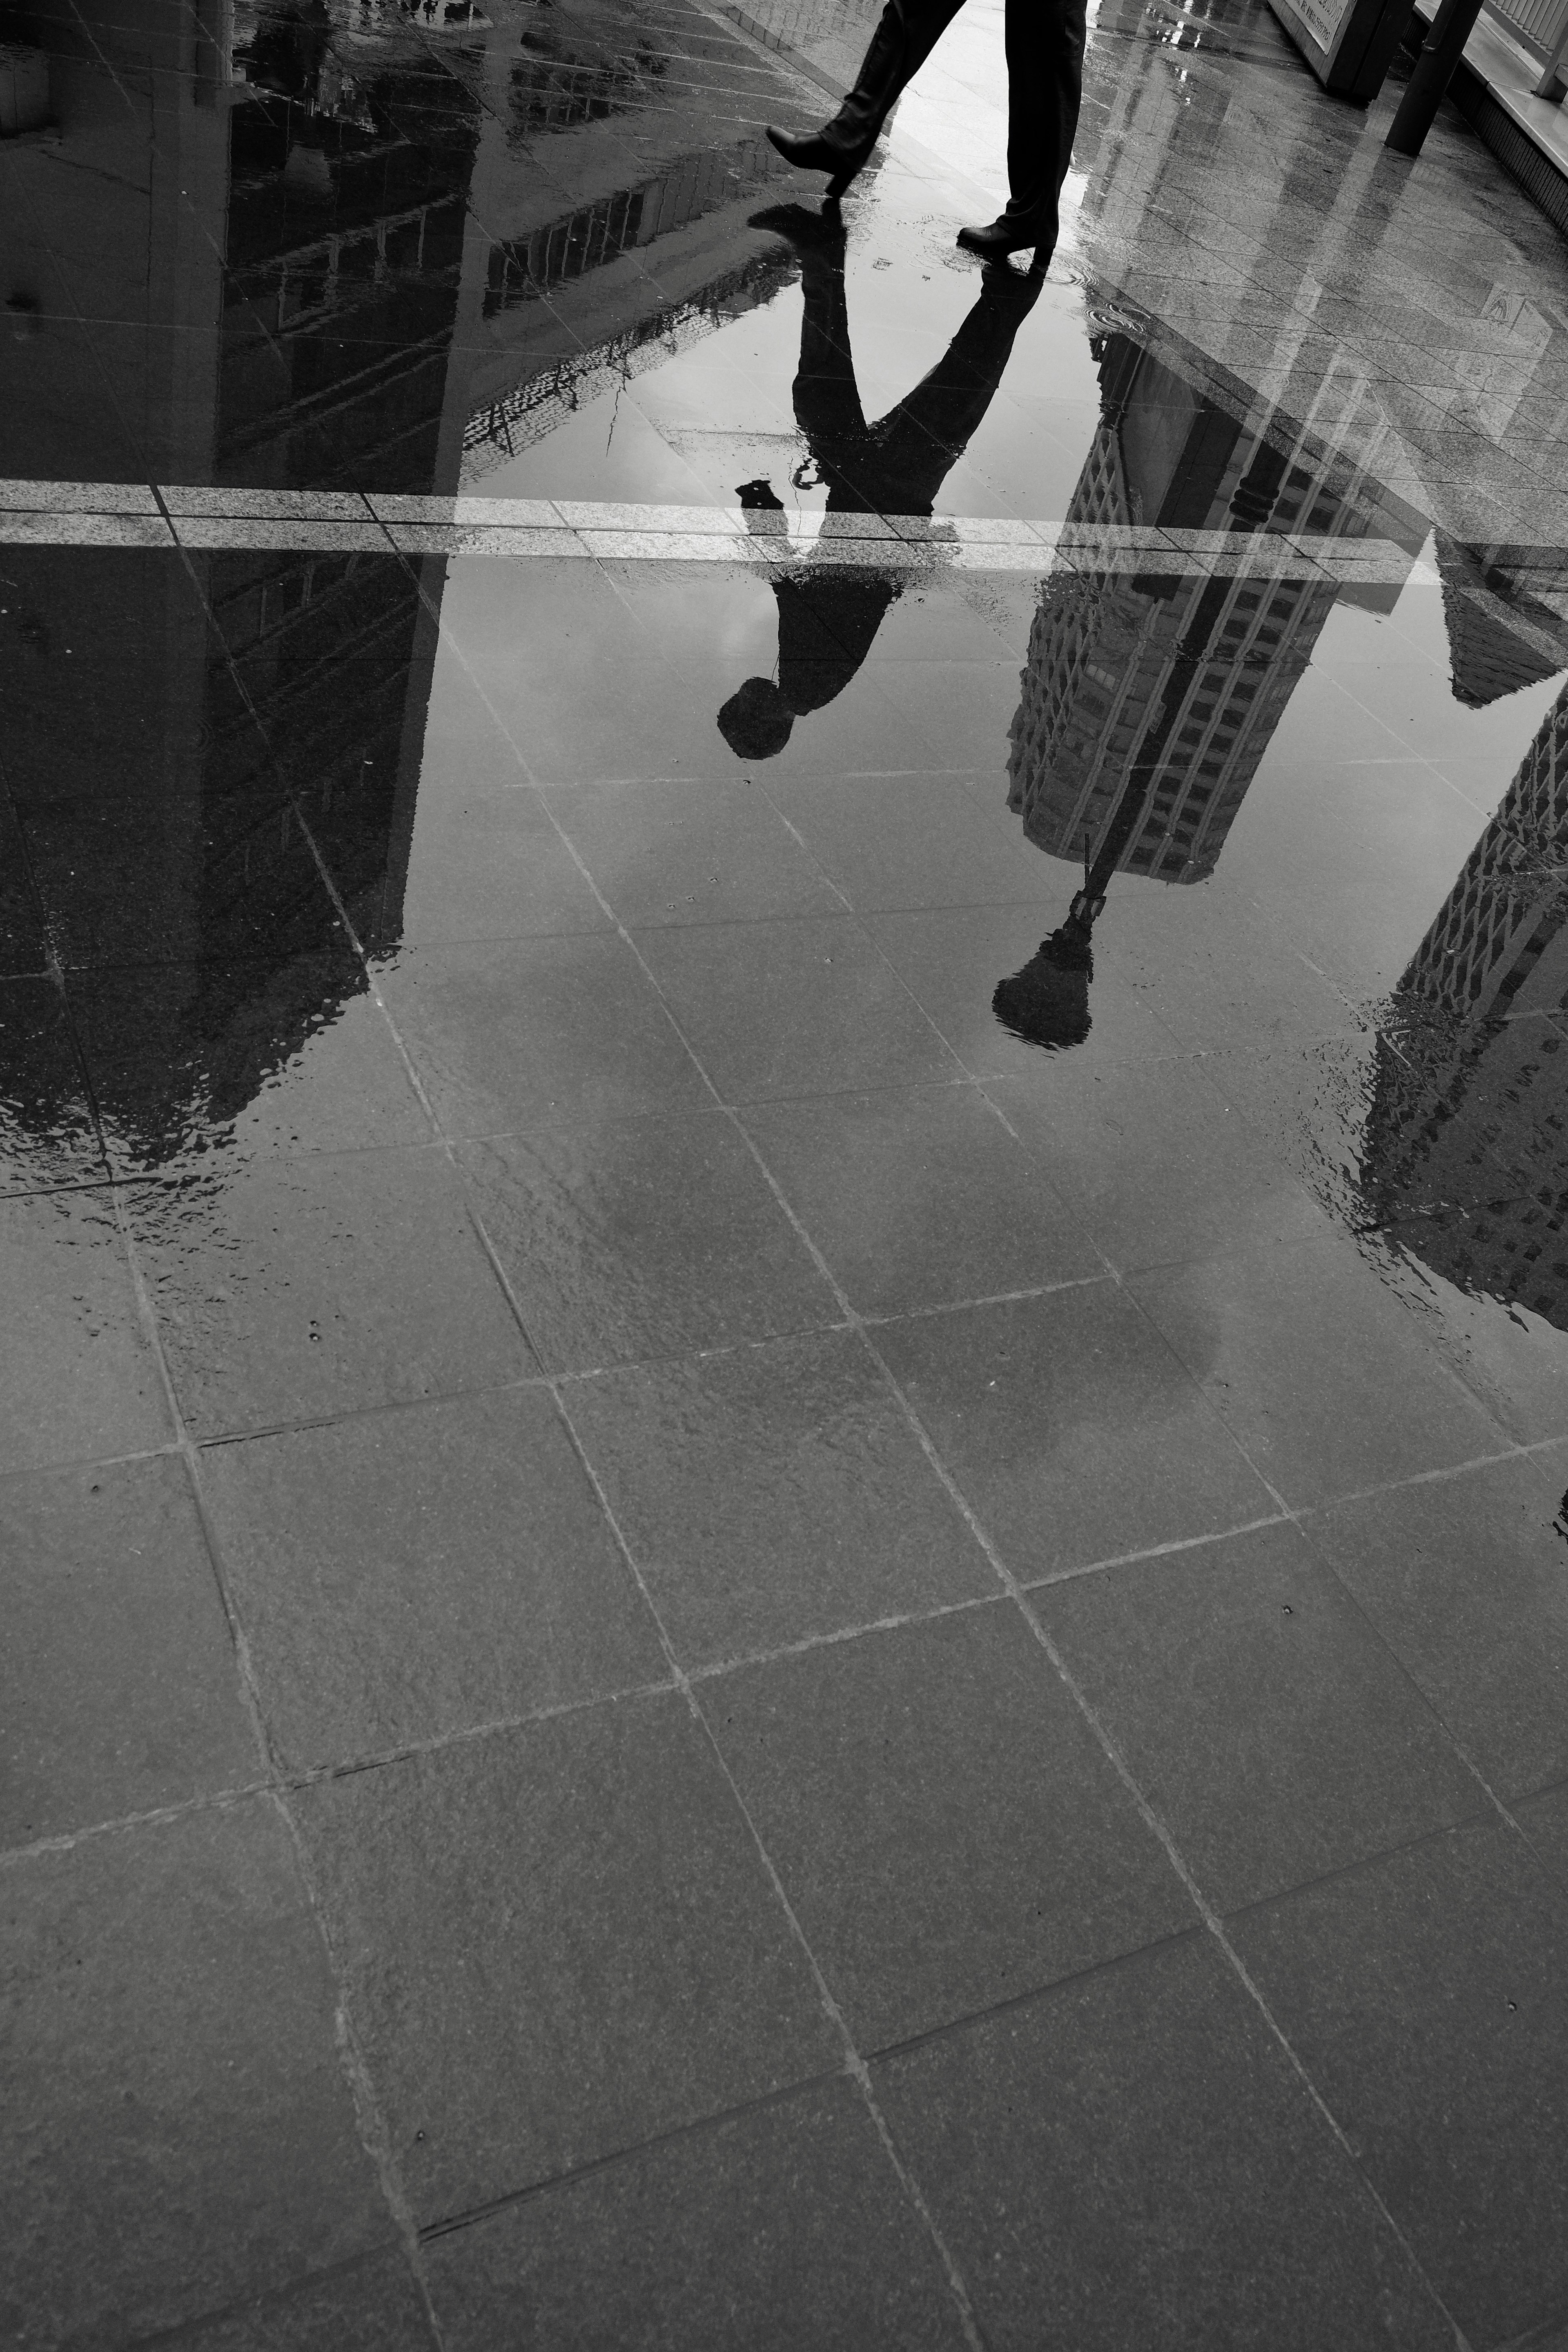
(1046, 1003)
(756, 720)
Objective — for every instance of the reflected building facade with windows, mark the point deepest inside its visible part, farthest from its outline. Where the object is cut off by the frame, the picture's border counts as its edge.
(1150, 697)
(1462, 1158)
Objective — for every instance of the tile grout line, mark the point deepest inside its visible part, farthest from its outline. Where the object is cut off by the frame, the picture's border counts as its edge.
(1209, 1916)
(1211, 1919)
(373, 2130)
(854, 2065)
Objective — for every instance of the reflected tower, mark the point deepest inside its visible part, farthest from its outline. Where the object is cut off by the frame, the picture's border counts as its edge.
(285, 246)
(1463, 1154)
(1167, 688)
(1149, 698)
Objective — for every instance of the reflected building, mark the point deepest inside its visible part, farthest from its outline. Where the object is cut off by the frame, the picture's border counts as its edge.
(286, 249)
(343, 251)
(1463, 1155)
(1150, 698)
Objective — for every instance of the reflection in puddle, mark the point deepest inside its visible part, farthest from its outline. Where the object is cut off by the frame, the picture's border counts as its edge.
(418, 287)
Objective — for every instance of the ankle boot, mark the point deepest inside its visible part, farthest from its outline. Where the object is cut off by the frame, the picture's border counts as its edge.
(842, 147)
(820, 150)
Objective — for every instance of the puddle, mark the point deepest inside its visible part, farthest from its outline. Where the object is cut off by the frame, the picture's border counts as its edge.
(1150, 638)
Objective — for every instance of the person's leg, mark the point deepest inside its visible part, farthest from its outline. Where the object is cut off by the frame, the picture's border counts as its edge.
(1045, 87)
(905, 36)
(1044, 91)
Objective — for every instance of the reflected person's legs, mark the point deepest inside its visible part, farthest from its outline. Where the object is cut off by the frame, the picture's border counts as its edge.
(918, 443)
(825, 624)
(827, 397)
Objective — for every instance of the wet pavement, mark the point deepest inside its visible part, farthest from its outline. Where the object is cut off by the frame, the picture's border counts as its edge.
(783, 1091)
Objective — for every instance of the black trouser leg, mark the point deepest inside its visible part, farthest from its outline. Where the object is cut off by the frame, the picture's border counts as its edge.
(1045, 87)
(827, 397)
(904, 39)
(923, 438)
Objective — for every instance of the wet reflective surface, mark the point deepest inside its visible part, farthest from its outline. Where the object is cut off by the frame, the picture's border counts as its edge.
(783, 1055)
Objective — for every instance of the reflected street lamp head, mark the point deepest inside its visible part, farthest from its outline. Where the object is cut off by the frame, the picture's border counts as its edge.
(756, 720)
(1046, 1003)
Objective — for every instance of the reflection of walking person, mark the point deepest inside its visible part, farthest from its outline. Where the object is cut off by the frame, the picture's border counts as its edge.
(828, 619)
(1045, 83)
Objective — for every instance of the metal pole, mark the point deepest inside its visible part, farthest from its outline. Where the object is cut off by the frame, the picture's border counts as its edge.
(1550, 86)
(1440, 52)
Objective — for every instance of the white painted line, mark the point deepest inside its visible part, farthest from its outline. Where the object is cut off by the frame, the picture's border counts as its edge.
(99, 514)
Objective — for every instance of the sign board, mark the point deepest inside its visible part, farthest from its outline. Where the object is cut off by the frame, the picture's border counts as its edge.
(1349, 44)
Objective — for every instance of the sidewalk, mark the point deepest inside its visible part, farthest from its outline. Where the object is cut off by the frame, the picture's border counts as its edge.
(780, 1477)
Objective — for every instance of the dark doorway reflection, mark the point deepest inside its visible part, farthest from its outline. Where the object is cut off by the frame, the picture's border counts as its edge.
(828, 617)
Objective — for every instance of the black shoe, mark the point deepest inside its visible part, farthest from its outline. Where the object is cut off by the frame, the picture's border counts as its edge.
(820, 153)
(1012, 233)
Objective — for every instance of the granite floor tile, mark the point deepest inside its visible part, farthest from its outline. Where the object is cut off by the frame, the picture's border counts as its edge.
(954, 959)
(806, 1007)
(626, 1238)
(1130, 2159)
(1155, 1165)
(185, 1062)
(119, 1690)
(556, 1944)
(374, 2306)
(949, 1832)
(1424, 1994)
(488, 862)
(1265, 1721)
(1220, 971)
(1543, 1817)
(637, 722)
(1072, 1429)
(403, 1576)
(692, 853)
(322, 1284)
(1322, 1376)
(80, 1378)
(506, 1035)
(960, 709)
(176, 2077)
(773, 1495)
(919, 1197)
(913, 841)
(1464, 1577)
(785, 2228)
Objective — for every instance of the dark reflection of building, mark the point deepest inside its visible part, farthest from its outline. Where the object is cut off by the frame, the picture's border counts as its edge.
(593, 272)
(1463, 1157)
(1150, 697)
(319, 254)
(289, 265)
(1168, 688)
